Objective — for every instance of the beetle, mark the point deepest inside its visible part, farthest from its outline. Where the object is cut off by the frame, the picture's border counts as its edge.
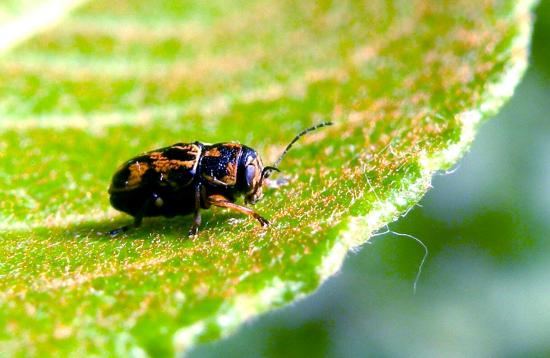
(184, 178)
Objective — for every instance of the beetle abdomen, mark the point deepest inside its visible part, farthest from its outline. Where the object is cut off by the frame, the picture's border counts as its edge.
(160, 202)
(157, 183)
(175, 166)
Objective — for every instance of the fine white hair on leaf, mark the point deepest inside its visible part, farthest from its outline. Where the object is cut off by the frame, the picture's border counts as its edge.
(424, 258)
(381, 233)
(448, 172)
(388, 230)
(409, 210)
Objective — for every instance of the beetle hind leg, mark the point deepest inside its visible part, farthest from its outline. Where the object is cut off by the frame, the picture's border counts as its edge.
(136, 224)
(119, 230)
(223, 202)
(138, 218)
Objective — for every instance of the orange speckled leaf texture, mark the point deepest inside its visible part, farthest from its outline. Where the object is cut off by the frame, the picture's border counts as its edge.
(88, 84)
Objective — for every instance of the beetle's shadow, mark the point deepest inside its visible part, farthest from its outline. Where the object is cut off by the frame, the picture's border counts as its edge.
(175, 228)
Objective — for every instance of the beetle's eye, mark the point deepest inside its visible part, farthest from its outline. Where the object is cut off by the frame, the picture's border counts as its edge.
(250, 175)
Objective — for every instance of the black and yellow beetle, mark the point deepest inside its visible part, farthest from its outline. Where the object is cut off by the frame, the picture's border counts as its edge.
(186, 177)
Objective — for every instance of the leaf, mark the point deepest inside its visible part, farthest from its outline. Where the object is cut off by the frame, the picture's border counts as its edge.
(406, 82)
(20, 19)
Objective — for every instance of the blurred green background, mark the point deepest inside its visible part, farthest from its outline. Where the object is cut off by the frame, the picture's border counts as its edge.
(485, 289)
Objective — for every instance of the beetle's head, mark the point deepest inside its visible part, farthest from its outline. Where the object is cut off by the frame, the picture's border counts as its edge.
(252, 174)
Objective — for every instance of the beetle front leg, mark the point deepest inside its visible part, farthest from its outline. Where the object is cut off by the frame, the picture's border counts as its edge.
(223, 202)
(197, 218)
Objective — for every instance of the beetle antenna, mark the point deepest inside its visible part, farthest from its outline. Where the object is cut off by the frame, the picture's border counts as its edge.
(298, 136)
(266, 172)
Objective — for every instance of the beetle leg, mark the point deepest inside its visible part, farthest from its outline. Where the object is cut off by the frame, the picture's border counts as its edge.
(137, 223)
(138, 218)
(204, 198)
(117, 231)
(223, 202)
(215, 180)
(197, 219)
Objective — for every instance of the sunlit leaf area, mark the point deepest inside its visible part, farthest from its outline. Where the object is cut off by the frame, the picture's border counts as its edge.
(86, 85)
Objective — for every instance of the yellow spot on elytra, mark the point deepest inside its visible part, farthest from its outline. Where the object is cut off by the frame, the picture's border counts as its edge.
(233, 145)
(164, 165)
(231, 177)
(189, 148)
(136, 173)
(214, 152)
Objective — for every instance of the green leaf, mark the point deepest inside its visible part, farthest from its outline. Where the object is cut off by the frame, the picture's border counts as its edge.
(406, 82)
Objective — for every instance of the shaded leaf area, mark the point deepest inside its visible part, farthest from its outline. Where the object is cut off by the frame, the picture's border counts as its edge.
(406, 83)
(543, 36)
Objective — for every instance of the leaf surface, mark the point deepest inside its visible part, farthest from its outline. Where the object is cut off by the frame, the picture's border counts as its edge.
(406, 83)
